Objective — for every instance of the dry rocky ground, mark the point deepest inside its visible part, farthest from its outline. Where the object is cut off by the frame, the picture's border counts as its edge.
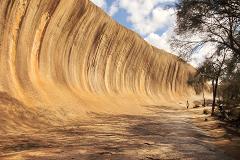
(166, 132)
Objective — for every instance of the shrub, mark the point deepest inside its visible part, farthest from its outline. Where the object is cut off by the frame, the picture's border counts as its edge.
(205, 111)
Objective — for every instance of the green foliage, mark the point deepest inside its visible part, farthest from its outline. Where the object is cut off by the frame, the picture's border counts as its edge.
(230, 89)
(202, 23)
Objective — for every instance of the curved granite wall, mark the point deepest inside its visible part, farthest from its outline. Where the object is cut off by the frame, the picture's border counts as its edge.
(70, 53)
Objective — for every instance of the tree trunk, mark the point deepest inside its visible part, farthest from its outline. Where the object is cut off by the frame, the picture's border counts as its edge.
(213, 103)
(204, 100)
(203, 94)
(214, 94)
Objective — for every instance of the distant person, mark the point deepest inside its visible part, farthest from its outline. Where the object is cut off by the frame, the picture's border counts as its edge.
(187, 104)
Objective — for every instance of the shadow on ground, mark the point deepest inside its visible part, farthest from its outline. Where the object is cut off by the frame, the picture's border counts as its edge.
(164, 133)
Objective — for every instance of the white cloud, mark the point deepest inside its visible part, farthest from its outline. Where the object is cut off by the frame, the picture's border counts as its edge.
(159, 41)
(159, 19)
(114, 8)
(147, 16)
(100, 3)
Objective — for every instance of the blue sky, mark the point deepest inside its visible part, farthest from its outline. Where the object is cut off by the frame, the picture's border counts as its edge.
(154, 20)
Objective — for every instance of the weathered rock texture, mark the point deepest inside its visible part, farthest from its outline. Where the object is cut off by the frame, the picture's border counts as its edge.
(68, 57)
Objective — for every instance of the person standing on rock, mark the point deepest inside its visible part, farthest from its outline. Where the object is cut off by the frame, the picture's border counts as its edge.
(187, 104)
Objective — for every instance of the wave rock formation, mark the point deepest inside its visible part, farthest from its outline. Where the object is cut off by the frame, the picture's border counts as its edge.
(62, 59)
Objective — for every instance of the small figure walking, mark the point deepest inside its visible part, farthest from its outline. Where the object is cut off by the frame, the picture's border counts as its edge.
(187, 104)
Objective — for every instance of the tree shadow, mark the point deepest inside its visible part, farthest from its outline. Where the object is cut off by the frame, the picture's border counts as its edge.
(160, 135)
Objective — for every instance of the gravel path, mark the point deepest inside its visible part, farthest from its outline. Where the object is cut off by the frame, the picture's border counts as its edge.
(163, 133)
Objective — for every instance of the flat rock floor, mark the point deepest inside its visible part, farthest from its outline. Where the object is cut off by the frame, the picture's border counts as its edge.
(163, 133)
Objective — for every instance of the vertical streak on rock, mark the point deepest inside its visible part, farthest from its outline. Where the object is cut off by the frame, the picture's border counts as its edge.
(15, 18)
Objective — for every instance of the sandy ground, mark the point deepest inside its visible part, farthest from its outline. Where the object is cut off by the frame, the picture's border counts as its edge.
(166, 132)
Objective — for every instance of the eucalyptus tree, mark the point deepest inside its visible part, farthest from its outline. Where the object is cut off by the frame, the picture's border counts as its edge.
(212, 25)
(207, 22)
